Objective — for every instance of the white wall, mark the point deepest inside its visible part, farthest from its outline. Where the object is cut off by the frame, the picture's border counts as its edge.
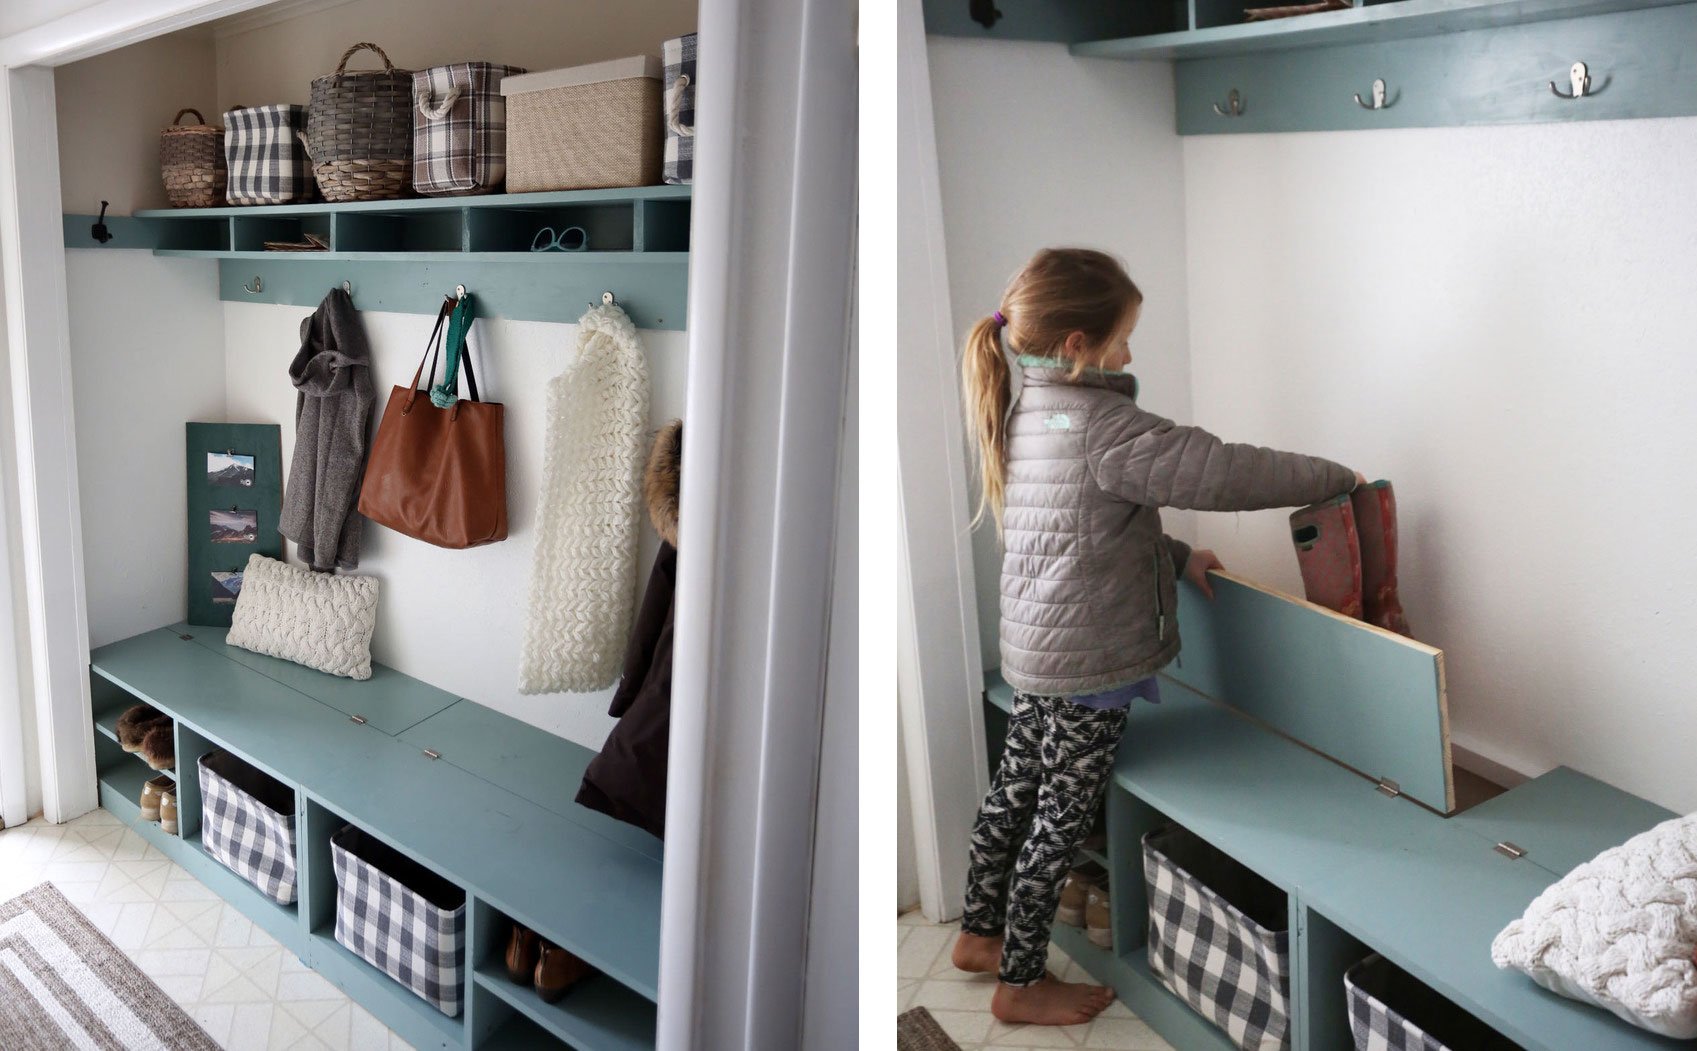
(1499, 320)
(1038, 148)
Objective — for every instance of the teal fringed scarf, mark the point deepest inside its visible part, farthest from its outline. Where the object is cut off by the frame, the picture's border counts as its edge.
(446, 393)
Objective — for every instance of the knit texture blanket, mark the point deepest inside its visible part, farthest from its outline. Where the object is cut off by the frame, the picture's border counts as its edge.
(583, 580)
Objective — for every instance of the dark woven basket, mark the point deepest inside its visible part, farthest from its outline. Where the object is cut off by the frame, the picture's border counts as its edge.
(191, 162)
(359, 131)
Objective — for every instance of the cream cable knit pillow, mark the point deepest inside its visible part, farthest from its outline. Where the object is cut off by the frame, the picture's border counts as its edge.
(316, 619)
(1620, 931)
(583, 578)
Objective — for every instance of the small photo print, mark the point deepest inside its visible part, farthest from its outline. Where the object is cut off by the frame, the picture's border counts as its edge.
(229, 469)
(235, 526)
(225, 588)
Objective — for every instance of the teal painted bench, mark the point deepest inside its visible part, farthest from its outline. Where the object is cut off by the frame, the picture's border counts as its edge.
(482, 799)
(1364, 872)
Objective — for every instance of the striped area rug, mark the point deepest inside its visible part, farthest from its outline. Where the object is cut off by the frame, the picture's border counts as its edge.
(63, 985)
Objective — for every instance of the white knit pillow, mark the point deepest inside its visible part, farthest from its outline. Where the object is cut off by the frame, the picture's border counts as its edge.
(1620, 931)
(317, 619)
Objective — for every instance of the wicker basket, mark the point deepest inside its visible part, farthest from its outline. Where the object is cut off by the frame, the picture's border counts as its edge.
(359, 131)
(191, 161)
(585, 127)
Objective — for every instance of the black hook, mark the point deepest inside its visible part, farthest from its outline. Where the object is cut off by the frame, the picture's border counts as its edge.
(99, 230)
(983, 12)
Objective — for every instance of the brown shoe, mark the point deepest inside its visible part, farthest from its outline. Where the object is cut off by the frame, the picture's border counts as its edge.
(134, 723)
(1075, 894)
(521, 955)
(159, 747)
(168, 811)
(557, 971)
(150, 791)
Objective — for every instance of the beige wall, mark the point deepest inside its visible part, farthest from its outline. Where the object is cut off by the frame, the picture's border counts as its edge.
(111, 110)
(276, 63)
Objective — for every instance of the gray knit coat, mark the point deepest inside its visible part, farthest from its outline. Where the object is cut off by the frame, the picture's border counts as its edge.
(332, 372)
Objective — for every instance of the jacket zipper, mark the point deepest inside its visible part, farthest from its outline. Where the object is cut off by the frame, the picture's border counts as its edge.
(1160, 607)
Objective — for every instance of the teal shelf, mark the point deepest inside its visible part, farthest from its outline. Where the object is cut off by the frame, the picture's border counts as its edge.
(431, 204)
(598, 1013)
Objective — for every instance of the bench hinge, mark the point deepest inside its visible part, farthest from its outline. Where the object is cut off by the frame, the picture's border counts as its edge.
(432, 753)
(186, 638)
(1509, 850)
(1389, 787)
(360, 719)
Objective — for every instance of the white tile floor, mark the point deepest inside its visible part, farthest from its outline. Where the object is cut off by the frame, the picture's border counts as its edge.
(960, 1002)
(238, 982)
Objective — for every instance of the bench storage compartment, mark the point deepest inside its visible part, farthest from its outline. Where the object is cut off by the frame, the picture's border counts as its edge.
(1391, 1010)
(1219, 938)
(248, 824)
(400, 917)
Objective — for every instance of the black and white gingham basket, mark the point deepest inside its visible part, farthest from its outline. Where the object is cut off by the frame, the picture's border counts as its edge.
(679, 101)
(400, 917)
(459, 128)
(248, 823)
(1391, 1010)
(266, 157)
(1219, 938)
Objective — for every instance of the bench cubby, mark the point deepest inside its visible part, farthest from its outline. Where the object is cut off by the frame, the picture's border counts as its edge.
(479, 798)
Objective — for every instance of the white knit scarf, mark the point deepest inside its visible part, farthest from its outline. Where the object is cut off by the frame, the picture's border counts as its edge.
(583, 582)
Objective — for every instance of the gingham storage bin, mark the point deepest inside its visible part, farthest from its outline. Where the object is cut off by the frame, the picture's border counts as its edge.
(400, 917)
(1391, 1010)
(584, 127)
(678, 109)
(267, 159)
(247, 823)
(1219, 938)
(459, 128)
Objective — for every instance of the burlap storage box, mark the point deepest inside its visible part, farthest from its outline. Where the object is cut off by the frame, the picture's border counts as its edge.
(359, 131)
(191, 162)
(585, 127)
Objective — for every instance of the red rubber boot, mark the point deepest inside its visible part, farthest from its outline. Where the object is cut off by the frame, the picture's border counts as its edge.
(1329, 554)
(1375, 527)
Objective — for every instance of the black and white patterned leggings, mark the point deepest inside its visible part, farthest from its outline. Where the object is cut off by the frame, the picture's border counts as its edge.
(1054, 769)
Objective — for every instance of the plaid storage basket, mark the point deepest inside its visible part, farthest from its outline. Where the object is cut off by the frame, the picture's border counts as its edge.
(1219, 938)
(459, 128)
(248, 824)
(678, 55)
(267, 159)
(1391, 1010)
(400, 917)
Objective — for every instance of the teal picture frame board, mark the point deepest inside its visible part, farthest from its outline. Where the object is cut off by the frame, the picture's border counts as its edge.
(235, 477)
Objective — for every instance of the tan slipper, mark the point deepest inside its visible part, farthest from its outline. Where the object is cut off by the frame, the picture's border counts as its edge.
(159, 748)
(134, 723)
(150, 791)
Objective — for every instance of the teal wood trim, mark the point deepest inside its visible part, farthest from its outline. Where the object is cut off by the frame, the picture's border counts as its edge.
(1562, 819)
(1064, 21)
(517, 1033)
(1138, 988)
(486, 938)
(127, 231)
(426, 204)
(1321, 953)
(599, 1014)
(1370, 699)
(417, 1022)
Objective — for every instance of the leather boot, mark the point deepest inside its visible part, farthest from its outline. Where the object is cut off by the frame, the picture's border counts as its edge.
(521, 955)
(557, 971)
(1375, 527)
(1329, 554)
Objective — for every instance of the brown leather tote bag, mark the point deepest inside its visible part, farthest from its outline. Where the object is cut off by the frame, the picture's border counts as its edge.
(439, 474)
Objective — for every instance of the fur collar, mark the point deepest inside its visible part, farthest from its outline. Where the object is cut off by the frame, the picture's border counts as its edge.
(660, 480)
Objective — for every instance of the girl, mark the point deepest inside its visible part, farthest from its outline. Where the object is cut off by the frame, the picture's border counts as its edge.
(1075, 476)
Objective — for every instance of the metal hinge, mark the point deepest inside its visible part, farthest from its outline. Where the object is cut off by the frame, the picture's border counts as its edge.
(432, 753)
(186, 638)
(360, 719)
(1509, 850)
(1389, 787)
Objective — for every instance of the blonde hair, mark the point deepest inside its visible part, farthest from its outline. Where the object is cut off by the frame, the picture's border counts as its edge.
(1058, 292)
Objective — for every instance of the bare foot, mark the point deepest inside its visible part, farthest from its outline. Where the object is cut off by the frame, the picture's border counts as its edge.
(1049, 1002)
(977, 953)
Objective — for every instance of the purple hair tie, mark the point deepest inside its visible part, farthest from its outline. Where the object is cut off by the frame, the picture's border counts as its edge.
(1001, 322)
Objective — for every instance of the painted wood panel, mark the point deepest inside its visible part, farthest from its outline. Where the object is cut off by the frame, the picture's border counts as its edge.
(1368, 698)
(1562, 819)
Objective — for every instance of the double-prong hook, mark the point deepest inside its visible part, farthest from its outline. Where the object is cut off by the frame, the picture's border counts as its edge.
(1580, 79)
(1379, 101)
(1234, 105)
(256, 287)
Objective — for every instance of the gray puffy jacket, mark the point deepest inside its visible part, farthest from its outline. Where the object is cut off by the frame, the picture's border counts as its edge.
(1088, 578)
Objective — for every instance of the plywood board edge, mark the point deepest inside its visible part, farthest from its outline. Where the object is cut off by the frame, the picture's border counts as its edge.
(1444, 732)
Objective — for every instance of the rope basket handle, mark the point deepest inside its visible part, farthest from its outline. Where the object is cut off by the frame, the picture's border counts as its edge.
(675, 107)
(178, 119)
(342, 66)
(421, 97)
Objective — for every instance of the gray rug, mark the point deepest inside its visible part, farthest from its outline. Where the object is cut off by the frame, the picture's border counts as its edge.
(916, 1030)
(63, 985)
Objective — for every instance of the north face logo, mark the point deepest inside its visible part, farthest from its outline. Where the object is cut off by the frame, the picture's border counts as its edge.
(1060, 421)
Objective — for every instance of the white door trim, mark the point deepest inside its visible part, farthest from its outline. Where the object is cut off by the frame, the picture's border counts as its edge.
(942, 717)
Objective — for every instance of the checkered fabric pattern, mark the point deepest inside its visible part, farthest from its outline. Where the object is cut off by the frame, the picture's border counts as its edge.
(1377, 1027)
(397, 931)
(1228, 968)
(248, 837)
(266, 158)
(679, 99)
(459, 128)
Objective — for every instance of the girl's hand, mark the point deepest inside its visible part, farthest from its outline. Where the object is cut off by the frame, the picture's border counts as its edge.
(1360, 479)
(1196, 569)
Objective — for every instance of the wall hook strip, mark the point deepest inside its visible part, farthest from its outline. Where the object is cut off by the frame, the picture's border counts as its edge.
(1579, 78)
(256, 287)
(1379, 101)
(1234, 105)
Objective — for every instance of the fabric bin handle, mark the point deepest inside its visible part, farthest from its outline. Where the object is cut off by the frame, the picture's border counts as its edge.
(422, 98)
(675, 107)
(366, 45)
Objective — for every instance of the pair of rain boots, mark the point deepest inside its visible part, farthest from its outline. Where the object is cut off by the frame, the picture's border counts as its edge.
(1347, 550)
(150, 733)
(1084, 903)
(551, 969)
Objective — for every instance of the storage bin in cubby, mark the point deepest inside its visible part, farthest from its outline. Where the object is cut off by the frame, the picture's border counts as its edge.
(247, 824)
(400, 917)
(1219, 938)
(1391, 1010)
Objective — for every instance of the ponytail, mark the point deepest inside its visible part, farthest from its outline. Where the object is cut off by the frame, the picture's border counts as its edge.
(989, 392)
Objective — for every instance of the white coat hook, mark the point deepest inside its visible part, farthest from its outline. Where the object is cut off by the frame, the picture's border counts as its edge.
(607, 299)
(256, 287)
(1378, 97)
(348, 287)
(1579, 78)
(1234, 105)
(459, 291)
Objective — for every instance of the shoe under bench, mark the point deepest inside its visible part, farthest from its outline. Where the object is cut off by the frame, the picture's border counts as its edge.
(482, 799)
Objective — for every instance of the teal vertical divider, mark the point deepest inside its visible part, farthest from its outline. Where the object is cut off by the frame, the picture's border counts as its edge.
(190, 747)
(485, 944)
(1129, 819)
(1318, 999)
